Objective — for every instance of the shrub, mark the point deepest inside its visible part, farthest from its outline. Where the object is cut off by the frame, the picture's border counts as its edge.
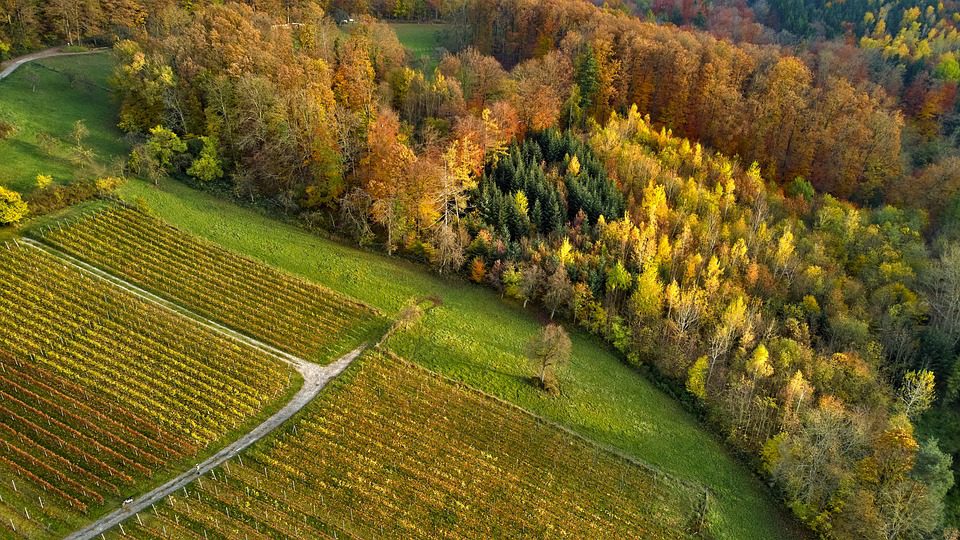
(12, 207)
(56, 197)
(44, 181)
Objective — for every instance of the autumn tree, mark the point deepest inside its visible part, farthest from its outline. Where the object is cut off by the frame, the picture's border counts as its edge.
(43, 181)
(559, 291)
(733, 323)
(548, 352)
(697, 378)
(478, 270)
(542, 85)
(461, 161)
(482, 78)
(206, 167)
(163, 145)
(917, 392)
(383, 171)
(781, 96)
(12, 207)
(814, 462)
(143, 84)
(354, 77)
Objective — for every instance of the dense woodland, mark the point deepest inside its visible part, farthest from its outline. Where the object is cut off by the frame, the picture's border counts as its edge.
(726, 213)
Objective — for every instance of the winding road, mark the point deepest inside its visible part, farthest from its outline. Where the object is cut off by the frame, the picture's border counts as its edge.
(8, 67)
(315, 377)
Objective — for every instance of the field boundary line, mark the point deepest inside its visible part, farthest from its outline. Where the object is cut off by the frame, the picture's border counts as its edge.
(315, 378)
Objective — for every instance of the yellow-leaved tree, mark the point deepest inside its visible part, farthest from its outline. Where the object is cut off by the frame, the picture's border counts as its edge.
(12, 207)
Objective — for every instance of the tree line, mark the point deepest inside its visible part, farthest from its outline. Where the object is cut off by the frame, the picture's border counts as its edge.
(750, 101)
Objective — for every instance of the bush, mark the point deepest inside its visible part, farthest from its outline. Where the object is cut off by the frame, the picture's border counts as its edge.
(12, 207)
(56, 197)
(44, 181)
(7, 129)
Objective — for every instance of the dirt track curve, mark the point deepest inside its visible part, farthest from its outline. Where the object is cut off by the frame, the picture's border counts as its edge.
(8, 67)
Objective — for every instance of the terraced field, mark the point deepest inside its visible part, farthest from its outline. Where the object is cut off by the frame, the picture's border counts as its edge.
(289, 313)
(101, 392)
(391, 450)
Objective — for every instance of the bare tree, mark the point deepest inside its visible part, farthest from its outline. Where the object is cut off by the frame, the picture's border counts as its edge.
(449, 255)
(559, 291)
(548, 351)
(943, 289)
(355, 208)
(531, 282)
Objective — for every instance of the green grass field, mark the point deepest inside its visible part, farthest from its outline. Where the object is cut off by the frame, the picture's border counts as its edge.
(422, 40)
(477, 338)
(67, 89)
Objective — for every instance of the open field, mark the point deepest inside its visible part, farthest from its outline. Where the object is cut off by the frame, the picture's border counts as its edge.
(289, 313)
(390, 450)
(476, 338)
(67, 89)
(104, 394)
(422, 40)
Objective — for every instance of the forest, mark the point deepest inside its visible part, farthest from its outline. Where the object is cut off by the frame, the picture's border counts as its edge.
(765, 212)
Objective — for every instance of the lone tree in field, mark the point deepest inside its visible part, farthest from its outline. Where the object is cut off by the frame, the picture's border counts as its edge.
(548, 351)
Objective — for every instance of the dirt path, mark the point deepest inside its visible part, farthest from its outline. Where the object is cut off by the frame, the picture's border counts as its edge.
(9, 66)
(315, 377)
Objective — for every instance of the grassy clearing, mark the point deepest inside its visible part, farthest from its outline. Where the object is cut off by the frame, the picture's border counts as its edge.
(390, 450)
(476, 338)
(68, 89)
(423, 41)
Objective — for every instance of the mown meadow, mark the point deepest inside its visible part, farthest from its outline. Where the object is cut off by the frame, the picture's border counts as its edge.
(44, 100)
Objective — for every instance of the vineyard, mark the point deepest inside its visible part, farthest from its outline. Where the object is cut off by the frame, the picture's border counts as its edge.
(391, 450)
(101, 392)
(289, 313)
